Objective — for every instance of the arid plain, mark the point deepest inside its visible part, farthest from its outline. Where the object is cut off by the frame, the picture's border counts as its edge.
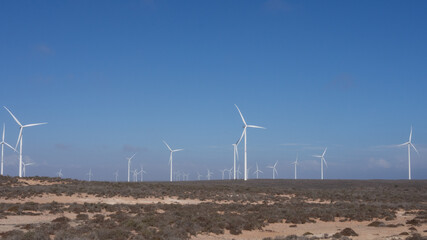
(53, 208)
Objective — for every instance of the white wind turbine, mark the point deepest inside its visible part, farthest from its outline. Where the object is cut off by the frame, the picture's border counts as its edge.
(199, 176)
(295, 164)
(274, 170)
(170, 157)
(238, 172)
(59, 174)
(135, 175)
(223, 173)
(21, 128)
(24, 167)
(129, 160)
(229, 173)
(142, 173)
(116, 174)
(322, 160)
(409, 144)
(185, 176)
(90, 174)
(257, 171)
(209, 175)
(2, 148)
(245, 126)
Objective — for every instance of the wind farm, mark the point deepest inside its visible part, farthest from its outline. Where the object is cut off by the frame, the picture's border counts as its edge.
(213, 120)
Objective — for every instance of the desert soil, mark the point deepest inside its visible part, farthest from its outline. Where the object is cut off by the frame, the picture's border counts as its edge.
(272, 230)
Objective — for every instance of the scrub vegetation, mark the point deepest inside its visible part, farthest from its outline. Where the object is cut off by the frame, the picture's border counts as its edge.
(231, 206)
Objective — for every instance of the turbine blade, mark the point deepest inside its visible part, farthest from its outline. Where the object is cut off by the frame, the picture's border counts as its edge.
(403, 144)
(19, 137)
(243, 119)
(324, 152)
(254, 126)
(240, 139)
(325, 162)
(2, 139)
(415, 149)
(410, 135)
(318, 156)
(34, 124)
(177, 150)
(16, 120)
(7, 144)
(170, 149)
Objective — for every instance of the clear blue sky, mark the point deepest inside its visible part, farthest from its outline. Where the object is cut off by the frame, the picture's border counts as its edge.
(114, 77)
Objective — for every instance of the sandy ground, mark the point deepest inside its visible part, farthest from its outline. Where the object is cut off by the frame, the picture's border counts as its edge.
(319, 228)
(86, 198)
(272, 230)
(36, 182)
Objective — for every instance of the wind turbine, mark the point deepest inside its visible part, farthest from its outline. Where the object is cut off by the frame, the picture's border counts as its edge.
(21, 128)
(90, 174)
(322, 160)
(409, 144)
(274, 170)
(59, 174)
(238, 172)
(2, 148)
(185, 176)
(199, 176)
(245, 126)
(295, 164)
(257, 171)
(24, 166)
(116, 174)
(170, 157)
(229, 173)
(209, 175)
(129, 159)
(142, 173)
(135, 175)
(223, 173)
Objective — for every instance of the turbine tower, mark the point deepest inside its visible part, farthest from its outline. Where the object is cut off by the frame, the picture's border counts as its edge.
(116, 174)
(257, 171)
(209, 175)
(236, 152)
(2, 148)
(245, 126)
(129, 159)
(90, 174)
(170, 157)
(295, 164)
(21, 128)
(322, 160)
(142, 173)
(274, 170)
(409, 144)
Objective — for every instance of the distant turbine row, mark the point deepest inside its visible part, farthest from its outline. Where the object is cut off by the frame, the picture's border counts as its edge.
(236, 172)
